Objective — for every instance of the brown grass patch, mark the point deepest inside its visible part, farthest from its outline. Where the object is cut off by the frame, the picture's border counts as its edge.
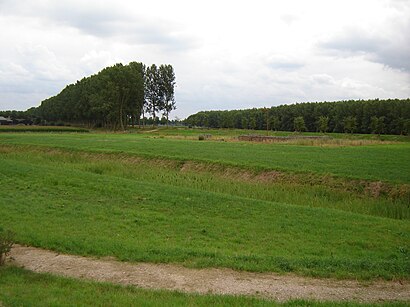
(316, 141)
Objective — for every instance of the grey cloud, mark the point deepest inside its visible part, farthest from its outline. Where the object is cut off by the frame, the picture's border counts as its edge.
(322, 79)
(33, 74)
(390, 50)
(104, 20)
(353, 42)
(137, 31)
(398, 4)
(27, 93)
(284, 63)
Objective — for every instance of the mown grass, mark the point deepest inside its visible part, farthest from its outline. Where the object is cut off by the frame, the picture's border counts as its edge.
(374, 162)
(19, 287)
(4, 129)
(81, 211)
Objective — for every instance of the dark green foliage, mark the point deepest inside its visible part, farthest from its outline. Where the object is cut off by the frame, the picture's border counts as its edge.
(27, 117)
(153, 90)
(108, 99)
(323, 124)
(114, 98)
(377, 124)
(41, 129)
(299, 124)
(350, 124)
(168, 83)
(329, 116)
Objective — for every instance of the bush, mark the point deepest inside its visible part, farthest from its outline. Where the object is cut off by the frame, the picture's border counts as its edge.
(202, 137)
(6, 242)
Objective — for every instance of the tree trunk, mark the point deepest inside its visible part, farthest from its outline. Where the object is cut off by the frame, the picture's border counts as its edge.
(121, 119)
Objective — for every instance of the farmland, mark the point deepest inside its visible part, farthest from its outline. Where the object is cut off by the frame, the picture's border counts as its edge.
(336, 209)
(360, 162)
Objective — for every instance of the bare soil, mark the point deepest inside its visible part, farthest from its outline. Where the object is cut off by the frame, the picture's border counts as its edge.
(216, 281)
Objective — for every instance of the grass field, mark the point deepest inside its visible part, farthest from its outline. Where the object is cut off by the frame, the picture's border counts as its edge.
(388, 163)
(306, 190)
(137, 207)
(22, 288)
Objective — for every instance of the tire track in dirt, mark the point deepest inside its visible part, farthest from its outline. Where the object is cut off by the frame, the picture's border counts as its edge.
(212, 280)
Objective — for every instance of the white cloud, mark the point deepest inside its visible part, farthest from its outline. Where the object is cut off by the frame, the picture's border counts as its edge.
(226, 54)
(94, 61)
(321, 79)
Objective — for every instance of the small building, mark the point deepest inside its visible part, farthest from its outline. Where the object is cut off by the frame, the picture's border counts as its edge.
(5, 121)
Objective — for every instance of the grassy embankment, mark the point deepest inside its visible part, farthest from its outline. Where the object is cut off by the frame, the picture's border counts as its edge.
(127, 207)
(302, 189)
(374, 162)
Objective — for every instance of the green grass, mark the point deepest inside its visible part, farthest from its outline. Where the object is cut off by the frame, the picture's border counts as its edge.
(147, 197)
(19, 287)
(388, 163)
(291, 189)
(61, 206)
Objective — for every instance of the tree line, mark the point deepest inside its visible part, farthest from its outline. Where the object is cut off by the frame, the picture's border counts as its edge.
(114, 98)
(391, 116)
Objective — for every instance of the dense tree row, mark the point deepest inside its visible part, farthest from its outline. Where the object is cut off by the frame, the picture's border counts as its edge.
(115, 97)
(390, 116)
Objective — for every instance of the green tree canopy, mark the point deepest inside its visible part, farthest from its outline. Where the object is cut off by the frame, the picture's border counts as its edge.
(318, 116)
(299, 124)
(114, 97)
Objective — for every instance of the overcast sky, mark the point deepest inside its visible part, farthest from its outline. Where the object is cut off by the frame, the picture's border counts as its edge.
(226, 54)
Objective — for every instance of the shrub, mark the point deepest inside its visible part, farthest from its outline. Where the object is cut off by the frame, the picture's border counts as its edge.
(6, 242)
(202, 137)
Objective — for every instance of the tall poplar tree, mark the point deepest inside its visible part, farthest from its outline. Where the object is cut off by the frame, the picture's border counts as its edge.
(167, 77)
(153, 90)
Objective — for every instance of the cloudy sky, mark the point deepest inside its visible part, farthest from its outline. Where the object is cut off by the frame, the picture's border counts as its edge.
(226, 54)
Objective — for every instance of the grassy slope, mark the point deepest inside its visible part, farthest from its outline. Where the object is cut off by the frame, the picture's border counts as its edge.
(377, 162)
(207, 178)
(22, 288)
(75, 211)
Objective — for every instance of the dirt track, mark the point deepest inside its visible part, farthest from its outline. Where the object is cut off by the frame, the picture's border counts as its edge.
(218, 281)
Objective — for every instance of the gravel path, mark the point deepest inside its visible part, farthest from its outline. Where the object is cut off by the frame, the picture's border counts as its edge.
(217, 281)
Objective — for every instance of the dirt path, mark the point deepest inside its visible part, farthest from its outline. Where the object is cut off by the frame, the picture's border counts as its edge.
(218, 281)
